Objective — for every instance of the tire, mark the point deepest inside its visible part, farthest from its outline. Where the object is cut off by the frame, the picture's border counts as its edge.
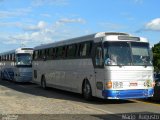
(2, 76)
(86, 90)
(43, 83)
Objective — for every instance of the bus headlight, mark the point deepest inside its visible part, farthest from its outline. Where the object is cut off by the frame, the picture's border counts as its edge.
(117, 84)
(109, 85)
(149, 83)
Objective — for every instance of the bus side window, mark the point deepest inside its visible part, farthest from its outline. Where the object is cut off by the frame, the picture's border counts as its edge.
(85, 49)
(46, 56)
(43, 57)
(10, 57)
(59, 52)
(99, 56)
(63, 52)
(78, 50)
(71, 51)
(89, 48)
(35, 55)
(7, 58)
(4, 58)
(54, 53)
(50, 53)
(39, 54)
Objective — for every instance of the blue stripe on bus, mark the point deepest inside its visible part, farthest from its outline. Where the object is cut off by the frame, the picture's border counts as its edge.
(8, 74)
(127, 94)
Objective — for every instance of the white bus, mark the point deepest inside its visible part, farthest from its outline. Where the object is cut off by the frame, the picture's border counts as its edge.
(106, 65)
(16, 65)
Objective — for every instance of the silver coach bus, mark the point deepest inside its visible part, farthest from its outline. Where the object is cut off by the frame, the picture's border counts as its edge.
(106, 65)
(16, 65)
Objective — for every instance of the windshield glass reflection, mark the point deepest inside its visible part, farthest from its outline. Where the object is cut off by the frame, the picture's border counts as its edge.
(127, 53)
(24, 59)
(140, 53)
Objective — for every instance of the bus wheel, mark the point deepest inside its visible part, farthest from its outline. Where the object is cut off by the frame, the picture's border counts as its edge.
(86, 90)
(43, 82)
(2, 76)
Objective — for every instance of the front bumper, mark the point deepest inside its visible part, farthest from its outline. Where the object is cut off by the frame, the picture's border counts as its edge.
(127, 94)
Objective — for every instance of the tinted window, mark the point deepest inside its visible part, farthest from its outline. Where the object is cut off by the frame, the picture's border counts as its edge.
(71, 50)
(141, 54)
(99, 56)
(85, 49)
(35, 55)
(117, 53)
(61, 52)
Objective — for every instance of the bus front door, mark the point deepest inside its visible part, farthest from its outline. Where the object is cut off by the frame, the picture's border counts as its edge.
(99, 70)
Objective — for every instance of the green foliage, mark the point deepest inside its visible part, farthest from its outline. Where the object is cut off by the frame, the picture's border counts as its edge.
(156, 57)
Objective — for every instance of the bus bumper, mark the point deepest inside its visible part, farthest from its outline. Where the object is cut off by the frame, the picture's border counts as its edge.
(127, 94)
(23, 79)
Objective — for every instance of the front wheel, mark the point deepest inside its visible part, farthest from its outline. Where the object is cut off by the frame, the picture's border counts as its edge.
(86, 90)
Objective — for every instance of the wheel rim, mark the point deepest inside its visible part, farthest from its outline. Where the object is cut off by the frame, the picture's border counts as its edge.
(87, 90)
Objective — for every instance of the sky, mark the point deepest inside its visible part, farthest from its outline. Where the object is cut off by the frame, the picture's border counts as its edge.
(28, 23)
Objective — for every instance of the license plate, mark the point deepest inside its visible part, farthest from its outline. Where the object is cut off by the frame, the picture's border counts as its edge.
(133, 84)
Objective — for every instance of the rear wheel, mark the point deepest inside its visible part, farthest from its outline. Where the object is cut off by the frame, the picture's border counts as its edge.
(86, 90)
(43, 82)
(2, 76)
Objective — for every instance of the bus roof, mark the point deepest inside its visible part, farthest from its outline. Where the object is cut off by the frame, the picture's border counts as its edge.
(14, 51)
(82, 39)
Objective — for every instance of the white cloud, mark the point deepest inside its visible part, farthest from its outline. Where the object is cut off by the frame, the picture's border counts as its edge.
(40, 26)
(15, 13)
(153, 25)
(43, 32)
(11, 24)
(46, 15)
(6, 14)
(66, 20)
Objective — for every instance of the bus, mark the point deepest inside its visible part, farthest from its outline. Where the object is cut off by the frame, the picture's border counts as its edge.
(108, 65)
(16, 65)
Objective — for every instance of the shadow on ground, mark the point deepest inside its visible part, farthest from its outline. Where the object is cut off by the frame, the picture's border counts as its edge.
(36, 90)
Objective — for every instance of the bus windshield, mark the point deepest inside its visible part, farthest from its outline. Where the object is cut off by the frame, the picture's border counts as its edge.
(127, 53)
(24, 59)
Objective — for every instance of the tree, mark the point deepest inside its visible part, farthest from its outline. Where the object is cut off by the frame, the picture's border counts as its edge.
(156, 57)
